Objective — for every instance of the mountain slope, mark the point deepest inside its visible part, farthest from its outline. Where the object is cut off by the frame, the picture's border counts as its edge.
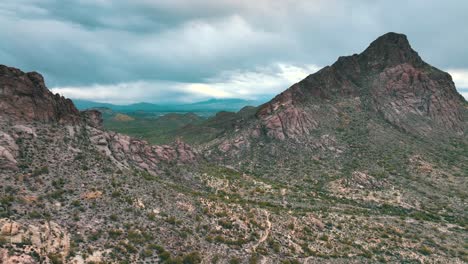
(387, 84)
(388, 78)
(364, 162)
(370, 123)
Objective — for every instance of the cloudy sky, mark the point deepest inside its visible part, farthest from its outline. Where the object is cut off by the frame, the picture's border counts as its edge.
(125, 51)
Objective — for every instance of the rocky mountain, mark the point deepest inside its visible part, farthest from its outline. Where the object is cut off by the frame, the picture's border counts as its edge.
(388, 78)
(365, 161)
(387, 82)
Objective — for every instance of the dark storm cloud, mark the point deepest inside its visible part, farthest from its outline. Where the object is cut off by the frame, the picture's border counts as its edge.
(172, 47)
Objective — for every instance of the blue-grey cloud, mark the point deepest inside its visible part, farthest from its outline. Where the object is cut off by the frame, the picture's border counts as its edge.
(258, 84)
(169, 44)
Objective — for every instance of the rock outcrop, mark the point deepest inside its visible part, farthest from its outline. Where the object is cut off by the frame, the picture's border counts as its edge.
(125, 150)
(8, 151)
(93, 118)
(25, 97)
(43, 240)
(281, 118)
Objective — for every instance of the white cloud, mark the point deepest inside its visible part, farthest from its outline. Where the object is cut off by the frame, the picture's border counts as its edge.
(460, 77)
(264, 82)
(293, 73)
(464, 94)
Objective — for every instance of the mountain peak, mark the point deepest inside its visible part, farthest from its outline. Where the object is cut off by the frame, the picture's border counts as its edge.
(391, 49)
(392, 38)
(389, 78)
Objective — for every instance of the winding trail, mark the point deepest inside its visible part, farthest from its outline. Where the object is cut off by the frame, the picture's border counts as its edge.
(265, 234)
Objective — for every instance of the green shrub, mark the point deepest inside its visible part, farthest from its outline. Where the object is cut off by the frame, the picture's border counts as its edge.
(425, 250)
(225, 224)
(234, 261)
(3, 241)
(192, 258)
(164, 255)
(35, 215)
(55, 258)
(114, 233)
(324, 237)
(146, 252)
(40, 171)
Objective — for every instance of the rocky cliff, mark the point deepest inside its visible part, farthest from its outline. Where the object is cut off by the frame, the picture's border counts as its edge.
(388, 78)
(25, 97)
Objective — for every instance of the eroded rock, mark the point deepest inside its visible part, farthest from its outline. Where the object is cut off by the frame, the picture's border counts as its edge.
(8, 152)
(44, 239)
(24, 97)
(125, 150)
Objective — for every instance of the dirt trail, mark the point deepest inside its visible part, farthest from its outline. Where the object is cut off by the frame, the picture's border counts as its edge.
(265, 234)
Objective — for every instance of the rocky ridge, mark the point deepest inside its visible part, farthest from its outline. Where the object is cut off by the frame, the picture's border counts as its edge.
(388, 78)
(24, 99)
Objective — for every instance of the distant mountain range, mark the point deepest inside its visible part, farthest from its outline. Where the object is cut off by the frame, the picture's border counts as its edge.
(212, 105)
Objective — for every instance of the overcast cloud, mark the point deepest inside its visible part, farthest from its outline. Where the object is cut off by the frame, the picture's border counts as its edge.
(189, 50)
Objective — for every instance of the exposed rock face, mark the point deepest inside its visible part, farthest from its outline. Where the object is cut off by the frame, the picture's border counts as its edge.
(125, 150)
(8, 151)
(418, 101)
(93, 118)
(282, 118)
(389, 76)
(41, 239)
(24, 97)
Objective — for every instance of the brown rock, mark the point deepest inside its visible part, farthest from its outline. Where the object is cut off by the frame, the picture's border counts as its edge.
(10, 229)
(92, 195)
(24, 97)
(24, 131)
(92, 118)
